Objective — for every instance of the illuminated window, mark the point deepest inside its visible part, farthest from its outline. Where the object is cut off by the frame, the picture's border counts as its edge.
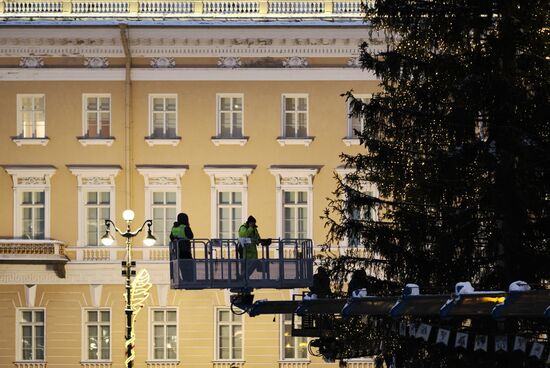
(292, 347)
(97, 334)
(229, 335)
(31, 116)
(31, 330)
(295, 116)
(164, 331)
(97, 116)
(230, 116)
(164, 210)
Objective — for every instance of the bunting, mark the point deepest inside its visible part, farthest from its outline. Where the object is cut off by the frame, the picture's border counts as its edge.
(443, 336)
(481, 342)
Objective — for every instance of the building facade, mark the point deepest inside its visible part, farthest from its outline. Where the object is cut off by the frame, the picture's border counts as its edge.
(218, 109)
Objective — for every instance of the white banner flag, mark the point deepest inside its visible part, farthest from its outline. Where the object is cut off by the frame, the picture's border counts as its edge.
(402, 328)
(443, 336)
(412, 330)
(536, 350)
(501, 343)
(520, 343)
(480, 342)
(461, 340)
(423, 331)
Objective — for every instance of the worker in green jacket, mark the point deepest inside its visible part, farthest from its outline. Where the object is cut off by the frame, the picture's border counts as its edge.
(249, 238)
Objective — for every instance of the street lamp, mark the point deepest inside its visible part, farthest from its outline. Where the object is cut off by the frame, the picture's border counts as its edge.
(135, 290)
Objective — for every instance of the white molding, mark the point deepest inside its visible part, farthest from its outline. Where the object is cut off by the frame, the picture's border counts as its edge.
(162, 141)
(351, 141)
(95, 294)
(189, 74)
(96, 141)
(233, 179)
(295, 179)
(31, 141)
(229, 141)
(19, 362)
(93, 178)
(162, 294)
(30, 296)
(31, 179)
(295, 141)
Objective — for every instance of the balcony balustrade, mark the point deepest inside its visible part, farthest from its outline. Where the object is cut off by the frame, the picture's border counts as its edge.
(32, 250)
(278, 9)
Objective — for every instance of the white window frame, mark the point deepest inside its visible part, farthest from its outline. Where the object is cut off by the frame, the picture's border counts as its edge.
(227, 179)
(19, 337)
(99, 140)
(19, 140)
(93, 179)
(294, 179)
(283, 139)
(85, 323)
(217, 336)
(151, 353)
(30, 179)
(152, 141)
(219, 139)
(366, 187)
(351, 139)
(282, 341)
(161, 179)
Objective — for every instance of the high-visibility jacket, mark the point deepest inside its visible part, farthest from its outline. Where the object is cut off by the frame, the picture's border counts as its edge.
(249, 239)
(178, 232)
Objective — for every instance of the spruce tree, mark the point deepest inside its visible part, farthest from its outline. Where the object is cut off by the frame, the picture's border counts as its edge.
(458, 146)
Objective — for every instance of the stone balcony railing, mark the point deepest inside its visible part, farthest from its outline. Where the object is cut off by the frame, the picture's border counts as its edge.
(181, 9)
(26, 249)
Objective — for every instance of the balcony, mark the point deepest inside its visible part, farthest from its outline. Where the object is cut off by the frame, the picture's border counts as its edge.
(27, 251)
(183, 9)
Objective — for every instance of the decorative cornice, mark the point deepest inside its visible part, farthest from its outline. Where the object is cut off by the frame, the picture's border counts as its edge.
(96, 62)
(229, 62)
(295, 62)
(162, 62)
(31, 62)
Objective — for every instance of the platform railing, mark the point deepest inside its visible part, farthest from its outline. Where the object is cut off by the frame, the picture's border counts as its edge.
(219, 263)
(183, 8)
(31, 248)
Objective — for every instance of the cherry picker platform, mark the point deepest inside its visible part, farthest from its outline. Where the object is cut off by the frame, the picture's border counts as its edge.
(217, 264)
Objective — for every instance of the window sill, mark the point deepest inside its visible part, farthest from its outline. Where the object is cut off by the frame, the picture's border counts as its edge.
(30, 364)
(96, 364)
(306, 141)
(162, 363)
(219, 141)
(351, 141)
(30, 141)
(162, 141)
(107, 141)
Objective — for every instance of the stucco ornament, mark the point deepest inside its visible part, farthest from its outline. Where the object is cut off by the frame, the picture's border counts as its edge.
(31, 62)
(295, 62)
(96, 62)
(229, 62)
(163, 62)
(354, 62)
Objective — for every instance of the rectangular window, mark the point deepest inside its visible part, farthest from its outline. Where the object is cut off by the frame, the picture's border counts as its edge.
(31, 329)
(295, 116)
(31, 116)
(33, 214)
(97, 116)
(230, 116)
(98, 334)
(295, 216)
(229, 335)
(97, 210)
(164, 327)
(163, 116)
(164, 215)
(361, 213)
(356, 123)
(230, 210)
(293, 347)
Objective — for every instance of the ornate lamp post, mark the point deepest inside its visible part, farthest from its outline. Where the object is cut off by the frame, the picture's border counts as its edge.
(137, 291)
